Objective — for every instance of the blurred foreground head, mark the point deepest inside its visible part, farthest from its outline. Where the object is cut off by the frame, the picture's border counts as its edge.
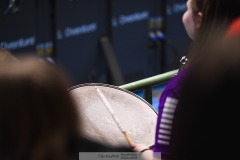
(37, 115)
(207, 118)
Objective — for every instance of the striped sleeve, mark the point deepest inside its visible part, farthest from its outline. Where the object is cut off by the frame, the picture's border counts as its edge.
(165, 127)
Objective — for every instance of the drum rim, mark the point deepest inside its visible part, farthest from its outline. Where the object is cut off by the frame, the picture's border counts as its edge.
(112, 86)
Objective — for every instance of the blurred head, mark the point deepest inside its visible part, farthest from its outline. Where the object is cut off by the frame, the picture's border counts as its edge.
(37, 115)
(208, 103)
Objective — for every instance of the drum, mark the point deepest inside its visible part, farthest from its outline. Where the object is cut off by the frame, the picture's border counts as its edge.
(135, 115)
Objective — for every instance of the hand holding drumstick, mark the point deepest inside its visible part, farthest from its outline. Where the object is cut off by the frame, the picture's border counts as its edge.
(136, 147)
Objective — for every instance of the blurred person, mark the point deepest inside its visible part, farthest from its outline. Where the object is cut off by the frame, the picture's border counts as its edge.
(38, 118)
(206, 120)
(203, 21)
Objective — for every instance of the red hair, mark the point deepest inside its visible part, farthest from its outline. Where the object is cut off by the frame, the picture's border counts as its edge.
(234, 28)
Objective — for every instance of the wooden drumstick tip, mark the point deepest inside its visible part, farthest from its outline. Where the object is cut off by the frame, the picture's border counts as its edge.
(128, 138)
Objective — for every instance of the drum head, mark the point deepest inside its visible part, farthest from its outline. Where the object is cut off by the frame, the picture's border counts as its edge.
(135, 115)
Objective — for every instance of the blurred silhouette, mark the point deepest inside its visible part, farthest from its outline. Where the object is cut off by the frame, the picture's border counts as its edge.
(38, 118)
(206, 122)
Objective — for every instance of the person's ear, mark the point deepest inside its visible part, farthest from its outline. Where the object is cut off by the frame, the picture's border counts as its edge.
(198, 20)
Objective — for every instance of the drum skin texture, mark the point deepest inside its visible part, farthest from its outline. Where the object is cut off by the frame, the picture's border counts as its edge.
(135, 115)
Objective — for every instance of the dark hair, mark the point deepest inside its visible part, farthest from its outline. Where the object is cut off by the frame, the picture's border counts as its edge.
(197, 5)
(217, 15)
(37, 115)
(206, 119)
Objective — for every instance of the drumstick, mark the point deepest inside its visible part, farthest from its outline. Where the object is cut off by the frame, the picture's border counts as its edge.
(116, 120)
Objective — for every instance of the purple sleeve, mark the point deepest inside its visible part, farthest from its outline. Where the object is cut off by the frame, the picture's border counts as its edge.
(166, 109)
